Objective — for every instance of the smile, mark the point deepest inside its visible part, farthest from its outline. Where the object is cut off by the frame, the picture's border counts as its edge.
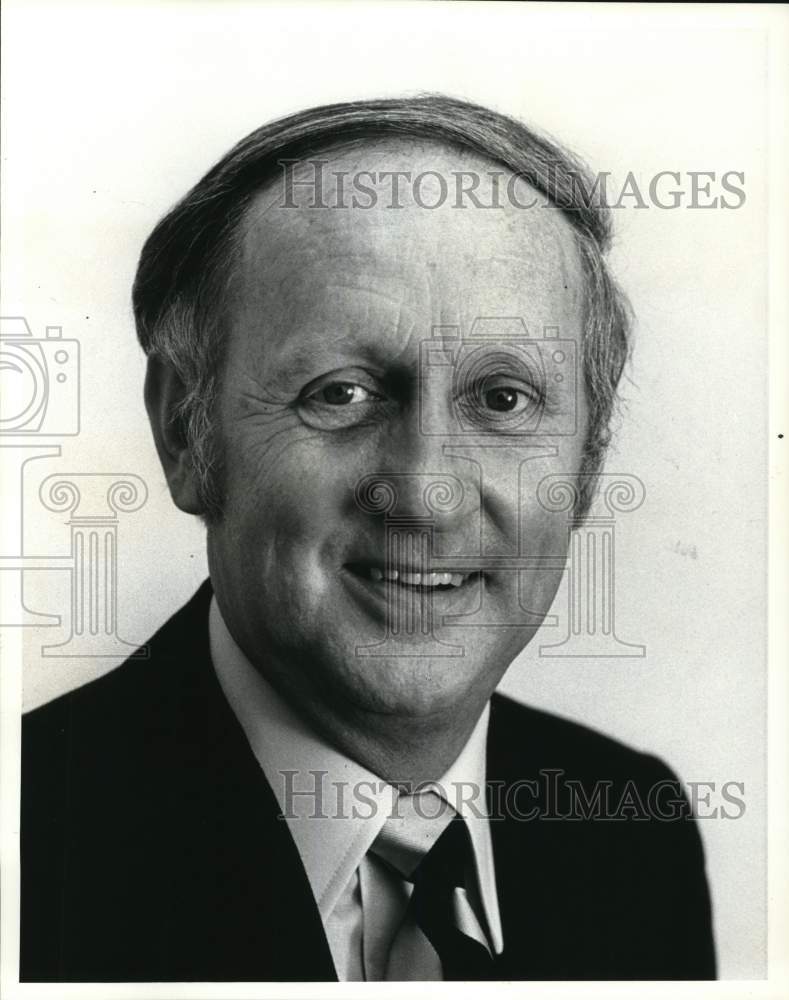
(384, 591)
(418, 579)
(407, 578)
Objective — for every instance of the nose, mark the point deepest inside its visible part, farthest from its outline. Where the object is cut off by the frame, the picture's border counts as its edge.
(415, 480)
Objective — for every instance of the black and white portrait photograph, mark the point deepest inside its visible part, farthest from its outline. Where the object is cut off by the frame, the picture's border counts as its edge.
(393, 437)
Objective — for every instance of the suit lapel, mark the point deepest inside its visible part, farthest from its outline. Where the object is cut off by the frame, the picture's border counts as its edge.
(240, 896)
(531, 866)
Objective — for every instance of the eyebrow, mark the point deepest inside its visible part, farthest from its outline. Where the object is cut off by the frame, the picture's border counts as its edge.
(301, 362)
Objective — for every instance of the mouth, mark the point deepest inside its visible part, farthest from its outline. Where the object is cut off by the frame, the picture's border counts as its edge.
(410, 594)
(413, 579)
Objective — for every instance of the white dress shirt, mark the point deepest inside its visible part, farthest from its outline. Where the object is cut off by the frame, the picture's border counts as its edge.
(335, 809)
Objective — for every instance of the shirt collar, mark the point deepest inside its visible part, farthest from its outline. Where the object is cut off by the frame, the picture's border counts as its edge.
(335, 808)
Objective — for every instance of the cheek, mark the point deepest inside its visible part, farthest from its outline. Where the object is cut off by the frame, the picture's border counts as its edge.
(266, 477)
(284, 519)
(546, 532)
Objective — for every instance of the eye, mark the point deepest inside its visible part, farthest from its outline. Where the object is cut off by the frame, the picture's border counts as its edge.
(341, 394)
(504, 398)
(342, 399)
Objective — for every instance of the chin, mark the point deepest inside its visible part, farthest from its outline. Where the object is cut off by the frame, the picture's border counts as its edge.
(411, 686)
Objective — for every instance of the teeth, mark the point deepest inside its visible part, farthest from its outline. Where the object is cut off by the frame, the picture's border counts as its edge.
(418, 579)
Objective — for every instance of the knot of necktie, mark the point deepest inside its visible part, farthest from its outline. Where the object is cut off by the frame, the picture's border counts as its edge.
(409, 834)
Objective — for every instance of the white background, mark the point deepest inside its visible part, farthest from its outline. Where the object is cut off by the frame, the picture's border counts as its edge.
(113, 112)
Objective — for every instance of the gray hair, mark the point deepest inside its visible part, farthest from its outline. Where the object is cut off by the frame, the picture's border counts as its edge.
(187, 263)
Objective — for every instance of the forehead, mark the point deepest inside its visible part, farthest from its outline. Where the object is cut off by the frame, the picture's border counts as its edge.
(390, 263)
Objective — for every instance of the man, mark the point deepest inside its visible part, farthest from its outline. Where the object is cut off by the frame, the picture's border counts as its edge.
(359, 381)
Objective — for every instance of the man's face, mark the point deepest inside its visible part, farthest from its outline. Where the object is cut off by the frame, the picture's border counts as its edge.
(325, 386)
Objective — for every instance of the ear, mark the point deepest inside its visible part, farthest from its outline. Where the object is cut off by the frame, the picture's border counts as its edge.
(164, 390)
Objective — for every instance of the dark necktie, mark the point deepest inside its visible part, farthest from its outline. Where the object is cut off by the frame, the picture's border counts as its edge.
(439, 904)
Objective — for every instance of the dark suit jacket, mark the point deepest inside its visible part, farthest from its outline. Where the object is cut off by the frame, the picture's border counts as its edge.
(152, 848)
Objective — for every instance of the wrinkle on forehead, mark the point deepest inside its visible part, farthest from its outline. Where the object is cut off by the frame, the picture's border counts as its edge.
(428, 266)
